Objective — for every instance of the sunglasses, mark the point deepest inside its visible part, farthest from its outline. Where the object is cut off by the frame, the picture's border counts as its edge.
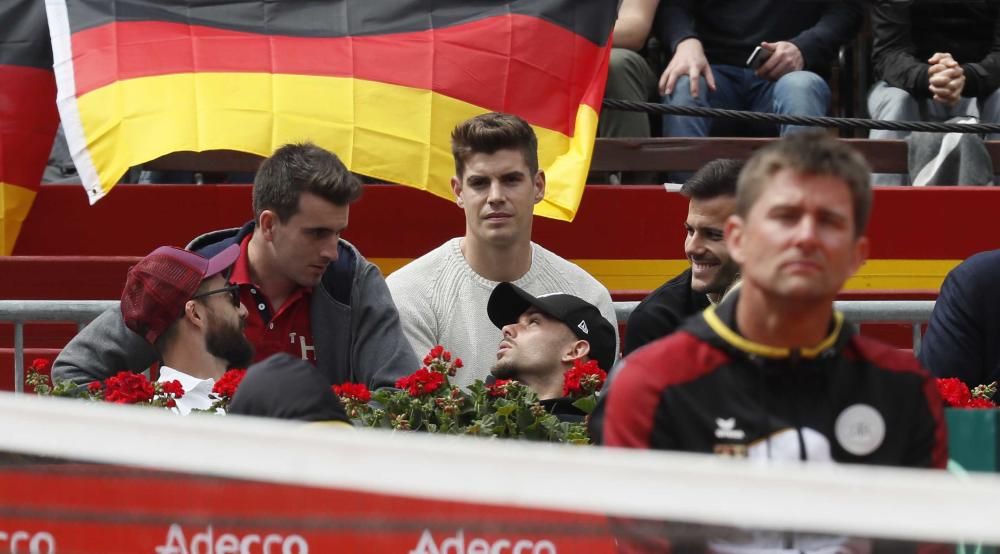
(233, 290)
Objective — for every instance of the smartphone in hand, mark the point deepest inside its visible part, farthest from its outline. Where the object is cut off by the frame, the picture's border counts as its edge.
(758, 57)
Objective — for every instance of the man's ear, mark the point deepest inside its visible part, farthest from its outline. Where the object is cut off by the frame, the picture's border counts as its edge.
(861, 249)
(194, 313)
(266, 222)
(456, 187)
(733, 231)
(539, 183)
(577, 349)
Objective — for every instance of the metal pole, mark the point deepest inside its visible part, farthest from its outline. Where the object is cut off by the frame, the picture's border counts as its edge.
(18, 357)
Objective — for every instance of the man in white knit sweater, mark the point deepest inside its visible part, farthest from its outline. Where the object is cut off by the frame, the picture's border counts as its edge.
(442, 295)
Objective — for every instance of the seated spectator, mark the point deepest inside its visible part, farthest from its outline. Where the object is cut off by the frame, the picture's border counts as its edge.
(963, 336)
(442, 295)
(712, 42)
(543, 336)
(712, 193)
(181, 304)
(629, 75)
(286, 387)
(310, 292)
(932, 62)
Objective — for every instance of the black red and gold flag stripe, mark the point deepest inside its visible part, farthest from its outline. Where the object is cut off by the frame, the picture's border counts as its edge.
(381, 84)
(28, 116)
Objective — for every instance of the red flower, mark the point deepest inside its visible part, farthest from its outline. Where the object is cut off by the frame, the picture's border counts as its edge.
(40, 365)
(980, 403)
(226, 386)
(499, 388)
(458, 362)
(173, 387)
(421, 382)
(353, 391)
(583, 379)
(94, 386)
(954, 392)
(128, 388)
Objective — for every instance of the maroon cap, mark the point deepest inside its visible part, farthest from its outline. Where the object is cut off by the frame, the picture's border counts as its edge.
(161, 283)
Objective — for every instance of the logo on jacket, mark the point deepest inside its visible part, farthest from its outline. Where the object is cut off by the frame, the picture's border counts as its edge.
(860, 429)
(727, 429)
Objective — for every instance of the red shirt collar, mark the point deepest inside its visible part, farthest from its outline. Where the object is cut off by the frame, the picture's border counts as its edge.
(241, 269)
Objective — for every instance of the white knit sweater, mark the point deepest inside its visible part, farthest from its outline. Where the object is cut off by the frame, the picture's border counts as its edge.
(441, 300)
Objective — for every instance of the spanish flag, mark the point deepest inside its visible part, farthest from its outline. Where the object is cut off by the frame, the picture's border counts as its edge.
(28, 117)
(379, 82)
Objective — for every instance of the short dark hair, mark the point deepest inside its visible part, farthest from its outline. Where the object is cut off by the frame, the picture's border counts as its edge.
(716, 178)
(489, 132)
(811, 153)
(297, 168)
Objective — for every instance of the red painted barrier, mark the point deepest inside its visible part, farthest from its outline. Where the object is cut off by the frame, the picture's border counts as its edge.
(74, 509)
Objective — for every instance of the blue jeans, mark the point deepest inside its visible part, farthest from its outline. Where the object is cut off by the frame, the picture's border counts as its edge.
(738, 88)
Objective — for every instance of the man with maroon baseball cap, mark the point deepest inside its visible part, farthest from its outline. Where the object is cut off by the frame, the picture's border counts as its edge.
(182, 304)
(309, 292)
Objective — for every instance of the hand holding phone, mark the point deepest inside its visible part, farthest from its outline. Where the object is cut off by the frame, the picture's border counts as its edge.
(758, 57)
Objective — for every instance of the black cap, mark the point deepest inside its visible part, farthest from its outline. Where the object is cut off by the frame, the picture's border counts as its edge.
(286, 387)
(508, 302)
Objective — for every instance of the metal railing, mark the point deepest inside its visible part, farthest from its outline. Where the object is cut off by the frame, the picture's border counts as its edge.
(913, 312)
(19, 312)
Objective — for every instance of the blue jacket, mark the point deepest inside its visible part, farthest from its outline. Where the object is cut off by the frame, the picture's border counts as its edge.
(356, 329)
(963, 336)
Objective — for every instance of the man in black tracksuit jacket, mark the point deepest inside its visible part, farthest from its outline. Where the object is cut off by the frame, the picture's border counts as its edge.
(711, 390)
(773, 373)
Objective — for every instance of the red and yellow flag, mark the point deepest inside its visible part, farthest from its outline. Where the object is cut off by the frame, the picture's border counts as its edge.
(28, 117)
(380, 83)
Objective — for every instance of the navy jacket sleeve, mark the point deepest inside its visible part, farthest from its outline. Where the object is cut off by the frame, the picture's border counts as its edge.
(837, 26)
(954, 343)
(675, 22)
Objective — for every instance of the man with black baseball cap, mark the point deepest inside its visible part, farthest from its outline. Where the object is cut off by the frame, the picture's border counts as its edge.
(182, 304)
(544, 335)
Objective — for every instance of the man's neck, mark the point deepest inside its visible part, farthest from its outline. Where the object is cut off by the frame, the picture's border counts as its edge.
(194, 360)
(508, 263)
(275, 286)
(545, 386)
(782, 323)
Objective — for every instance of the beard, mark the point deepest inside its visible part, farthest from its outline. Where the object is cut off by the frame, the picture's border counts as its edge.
(504, 370)
(227, 342)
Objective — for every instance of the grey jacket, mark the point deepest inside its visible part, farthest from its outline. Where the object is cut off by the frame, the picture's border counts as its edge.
(356, 329)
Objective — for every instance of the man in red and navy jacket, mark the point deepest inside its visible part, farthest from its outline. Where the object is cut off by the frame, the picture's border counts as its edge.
(773, 372)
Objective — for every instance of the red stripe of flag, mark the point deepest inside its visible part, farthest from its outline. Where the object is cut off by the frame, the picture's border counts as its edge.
(28, 121)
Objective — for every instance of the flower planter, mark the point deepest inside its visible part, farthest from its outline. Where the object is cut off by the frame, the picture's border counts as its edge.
(974, 438)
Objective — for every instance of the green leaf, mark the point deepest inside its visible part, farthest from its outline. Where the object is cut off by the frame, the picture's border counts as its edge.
(586, 404)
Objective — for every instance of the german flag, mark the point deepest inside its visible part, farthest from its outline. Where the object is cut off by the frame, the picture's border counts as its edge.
(380, 82)
(28, 117)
